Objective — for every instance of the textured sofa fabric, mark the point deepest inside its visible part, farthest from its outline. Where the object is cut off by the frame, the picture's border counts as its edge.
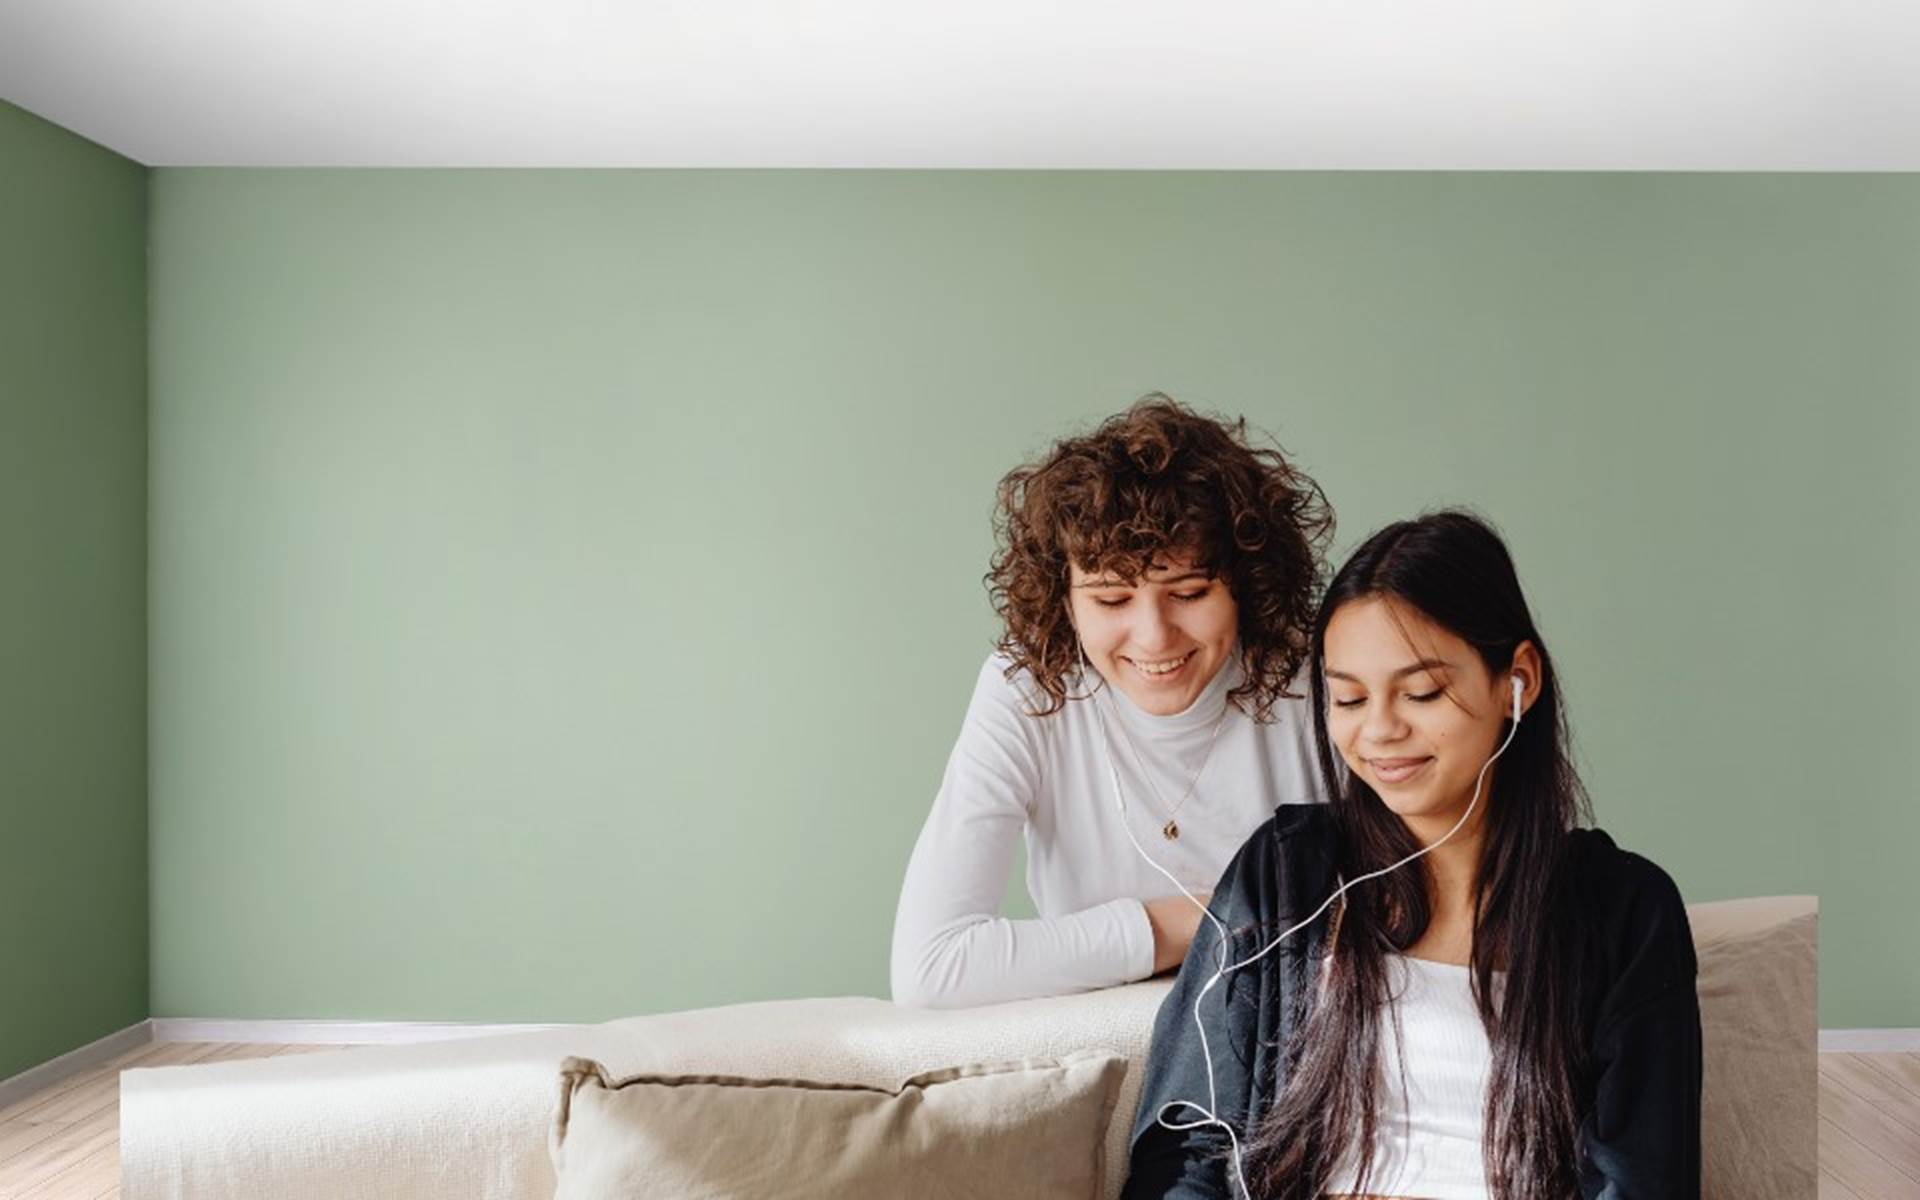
(469, 1120)
(1759, 1102)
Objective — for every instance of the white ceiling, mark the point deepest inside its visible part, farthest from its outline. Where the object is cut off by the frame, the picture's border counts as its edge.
(1357, 84)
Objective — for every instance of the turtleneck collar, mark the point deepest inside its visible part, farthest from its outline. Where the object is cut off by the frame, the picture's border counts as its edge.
(1201, 714)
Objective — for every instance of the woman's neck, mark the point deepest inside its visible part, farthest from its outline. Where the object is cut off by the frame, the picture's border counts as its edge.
(1453, 867)
(1451, 872)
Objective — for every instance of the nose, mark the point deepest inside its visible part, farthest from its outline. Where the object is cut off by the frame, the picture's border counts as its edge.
(1153, 630)
(1380, 724)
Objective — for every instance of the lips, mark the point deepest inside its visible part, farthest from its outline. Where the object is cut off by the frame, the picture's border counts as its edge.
(1161, 676)
(1397, 770)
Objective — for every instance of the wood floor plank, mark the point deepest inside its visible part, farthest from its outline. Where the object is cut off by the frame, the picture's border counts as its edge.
(140, 1056)
(106, 1118)
(65, 1140)
(234, 1051)
(1883, 1096)
(1903, 1069)
(1888, 1140)
(86, 1177)
(18, 1137)
(50, 1158)
(47, 1095)
(174, 1054)
(1860, 1167)
(1863, 1078)
(78, 1108)
(101, 1090)
(24, 1108)
(1832, 1189)
(127, 1058)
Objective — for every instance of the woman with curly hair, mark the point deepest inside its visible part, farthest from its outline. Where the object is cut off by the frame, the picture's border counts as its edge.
(1156, 579)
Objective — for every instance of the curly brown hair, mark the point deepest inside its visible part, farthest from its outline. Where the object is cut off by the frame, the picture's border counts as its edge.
(1156, 479)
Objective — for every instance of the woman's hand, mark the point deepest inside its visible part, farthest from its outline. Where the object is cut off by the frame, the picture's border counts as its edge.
(1174, 920)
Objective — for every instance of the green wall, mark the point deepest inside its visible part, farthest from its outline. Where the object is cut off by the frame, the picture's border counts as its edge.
(567, 584)
(73, 562)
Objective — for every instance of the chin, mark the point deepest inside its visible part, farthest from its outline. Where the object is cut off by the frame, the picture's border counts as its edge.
(1415, 805)
(1402, 806)
(1160, 706)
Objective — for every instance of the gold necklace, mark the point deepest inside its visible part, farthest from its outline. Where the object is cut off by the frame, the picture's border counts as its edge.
(1171, 830)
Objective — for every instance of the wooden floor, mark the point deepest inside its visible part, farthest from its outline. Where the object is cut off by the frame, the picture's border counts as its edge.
(1870, 1127)
(64, 1141)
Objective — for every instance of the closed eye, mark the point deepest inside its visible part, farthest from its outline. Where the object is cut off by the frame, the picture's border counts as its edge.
(1189, 597)
(1422, 698)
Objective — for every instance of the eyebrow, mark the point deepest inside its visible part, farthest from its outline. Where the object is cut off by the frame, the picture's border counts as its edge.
(1112, 583)
(1425, 664)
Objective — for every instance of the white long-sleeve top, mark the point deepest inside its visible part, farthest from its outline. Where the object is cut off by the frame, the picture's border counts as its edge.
(1012, 775)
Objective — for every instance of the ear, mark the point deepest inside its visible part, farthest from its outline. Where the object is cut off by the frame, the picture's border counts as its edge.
(1526, 668)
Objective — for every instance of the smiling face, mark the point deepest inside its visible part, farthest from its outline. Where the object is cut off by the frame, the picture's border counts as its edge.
(1161, 639)
(1413, 709)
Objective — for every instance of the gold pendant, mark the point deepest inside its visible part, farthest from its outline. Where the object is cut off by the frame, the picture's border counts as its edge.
(1170, 831)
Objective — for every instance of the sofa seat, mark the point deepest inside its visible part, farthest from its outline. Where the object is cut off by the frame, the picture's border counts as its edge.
(469, 1119)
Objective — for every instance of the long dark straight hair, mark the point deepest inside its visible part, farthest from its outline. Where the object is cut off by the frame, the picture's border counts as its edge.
(1453, 568)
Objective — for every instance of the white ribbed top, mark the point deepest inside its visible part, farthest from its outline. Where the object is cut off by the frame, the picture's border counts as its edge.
(1428, 1135)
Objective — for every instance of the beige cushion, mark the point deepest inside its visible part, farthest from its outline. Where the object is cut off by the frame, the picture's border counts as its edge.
(1759, 1044)
(1028, 1129)
(1712, 920)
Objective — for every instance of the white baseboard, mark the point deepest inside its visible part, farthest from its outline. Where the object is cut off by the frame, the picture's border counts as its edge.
(324, 1033)
(73, 1062)
(1869, 1041)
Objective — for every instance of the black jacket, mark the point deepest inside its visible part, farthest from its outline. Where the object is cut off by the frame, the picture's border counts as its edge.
(1640, 1135)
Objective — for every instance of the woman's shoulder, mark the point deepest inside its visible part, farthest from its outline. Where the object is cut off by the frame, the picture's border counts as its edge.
(1602, 868)
(1006, 684)
(1290, 828)
(1292, 833)
(1004, 667)
(1281, 873)
(1631, 904)
(1301, 822)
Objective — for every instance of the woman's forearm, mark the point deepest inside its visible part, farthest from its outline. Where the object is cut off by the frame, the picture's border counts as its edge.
(1173, 920)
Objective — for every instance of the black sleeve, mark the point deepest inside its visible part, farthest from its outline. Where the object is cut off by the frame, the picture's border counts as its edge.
(1192, 1164)
(1641, 1138)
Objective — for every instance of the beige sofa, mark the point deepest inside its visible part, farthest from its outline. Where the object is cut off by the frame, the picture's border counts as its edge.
(468, 1120)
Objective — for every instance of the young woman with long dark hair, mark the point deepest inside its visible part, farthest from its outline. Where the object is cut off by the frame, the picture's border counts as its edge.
(1510, 1014)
